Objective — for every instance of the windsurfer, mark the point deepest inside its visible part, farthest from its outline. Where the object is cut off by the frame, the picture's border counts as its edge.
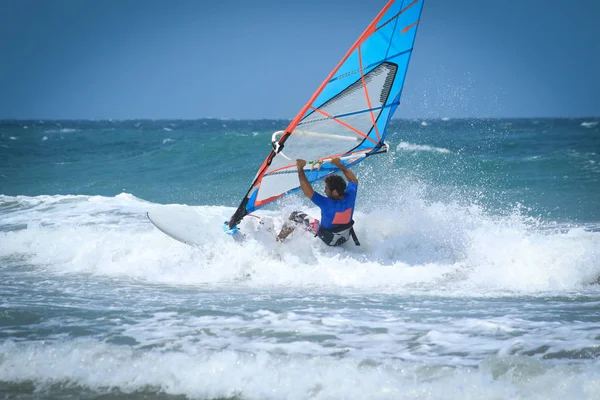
(337, 209)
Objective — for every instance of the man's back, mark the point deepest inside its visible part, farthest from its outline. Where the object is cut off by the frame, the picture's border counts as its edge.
(336, 211)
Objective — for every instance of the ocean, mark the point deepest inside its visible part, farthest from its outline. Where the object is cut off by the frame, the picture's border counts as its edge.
(478, 276)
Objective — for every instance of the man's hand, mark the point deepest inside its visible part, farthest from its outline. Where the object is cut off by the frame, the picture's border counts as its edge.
(336, 162)
(347, 173)
(300, 163)
(316, 164)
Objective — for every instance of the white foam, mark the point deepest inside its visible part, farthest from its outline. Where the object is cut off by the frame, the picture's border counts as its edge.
(416, 147)
(412, 245)
(198, 372)
(62, 130)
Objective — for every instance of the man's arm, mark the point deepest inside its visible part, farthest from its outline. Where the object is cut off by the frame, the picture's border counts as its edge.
(305, 185)
(347, 173)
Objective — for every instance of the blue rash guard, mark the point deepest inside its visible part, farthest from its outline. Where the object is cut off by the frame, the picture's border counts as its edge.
(336, 212)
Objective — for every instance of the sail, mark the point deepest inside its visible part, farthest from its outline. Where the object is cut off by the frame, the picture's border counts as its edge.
(348, 115)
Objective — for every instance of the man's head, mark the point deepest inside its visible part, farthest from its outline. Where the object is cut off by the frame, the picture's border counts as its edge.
(335, 186)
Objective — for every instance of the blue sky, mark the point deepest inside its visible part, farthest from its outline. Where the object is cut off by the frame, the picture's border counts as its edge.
(123, 59)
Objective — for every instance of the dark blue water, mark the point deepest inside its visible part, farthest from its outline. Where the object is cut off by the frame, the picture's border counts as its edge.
(551, 167)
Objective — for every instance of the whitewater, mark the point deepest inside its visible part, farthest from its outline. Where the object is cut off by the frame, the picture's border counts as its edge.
(477, 277)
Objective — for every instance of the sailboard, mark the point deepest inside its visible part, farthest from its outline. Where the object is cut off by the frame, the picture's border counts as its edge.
(347, 116)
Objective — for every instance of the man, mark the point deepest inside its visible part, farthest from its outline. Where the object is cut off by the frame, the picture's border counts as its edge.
(337, 209)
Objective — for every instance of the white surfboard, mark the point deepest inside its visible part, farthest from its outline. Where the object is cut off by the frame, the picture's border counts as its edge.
(187, 225)
(181, 223)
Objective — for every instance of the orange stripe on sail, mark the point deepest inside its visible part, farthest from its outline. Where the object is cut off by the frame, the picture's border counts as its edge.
(350, 152)
(408, 28)
(281, 169)
(332, 156)
(397, 15)
(364, 85)
(408, 6)
(259, 203)
(353, 129)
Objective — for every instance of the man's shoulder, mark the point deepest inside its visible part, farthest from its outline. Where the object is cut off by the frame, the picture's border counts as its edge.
(352, 186)
(318, 198)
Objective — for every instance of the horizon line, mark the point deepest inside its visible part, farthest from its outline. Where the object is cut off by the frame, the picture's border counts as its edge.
(277, 119)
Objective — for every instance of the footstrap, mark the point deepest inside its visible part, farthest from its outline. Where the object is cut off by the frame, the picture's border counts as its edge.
(353, 234)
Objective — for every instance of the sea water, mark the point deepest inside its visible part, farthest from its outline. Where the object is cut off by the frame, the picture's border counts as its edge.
(477, 276)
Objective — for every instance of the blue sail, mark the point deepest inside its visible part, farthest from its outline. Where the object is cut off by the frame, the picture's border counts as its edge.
(348, 115)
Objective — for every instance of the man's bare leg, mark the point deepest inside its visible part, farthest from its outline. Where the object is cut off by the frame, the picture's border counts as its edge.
(297, 218)
(286, 230)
